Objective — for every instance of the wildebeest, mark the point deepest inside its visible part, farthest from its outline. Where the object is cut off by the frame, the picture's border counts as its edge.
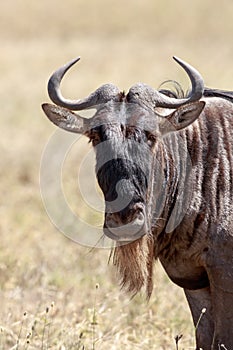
(165, 165)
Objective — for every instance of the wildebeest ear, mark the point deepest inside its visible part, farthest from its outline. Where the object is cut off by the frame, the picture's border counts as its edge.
(182, 117)
(64, 118)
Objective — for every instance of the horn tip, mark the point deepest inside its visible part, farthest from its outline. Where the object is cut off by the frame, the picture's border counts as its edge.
(77, 58)
(177, 59)
(71, 63)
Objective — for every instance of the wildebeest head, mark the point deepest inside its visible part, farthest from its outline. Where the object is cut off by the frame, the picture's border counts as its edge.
(127, 132)
(124, 132)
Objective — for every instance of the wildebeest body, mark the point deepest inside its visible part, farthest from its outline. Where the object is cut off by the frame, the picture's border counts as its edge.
(173, 159)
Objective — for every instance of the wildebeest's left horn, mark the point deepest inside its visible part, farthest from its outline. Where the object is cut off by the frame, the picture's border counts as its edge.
(103, 94)
(196, 93)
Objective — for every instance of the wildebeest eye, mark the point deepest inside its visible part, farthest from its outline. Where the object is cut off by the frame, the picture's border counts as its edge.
(94, 137)
(150, 139)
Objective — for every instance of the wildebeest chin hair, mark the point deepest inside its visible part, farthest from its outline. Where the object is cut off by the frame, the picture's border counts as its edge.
(134, 263)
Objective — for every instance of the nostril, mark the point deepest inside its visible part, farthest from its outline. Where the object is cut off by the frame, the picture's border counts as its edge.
(134, 212)
(137, 212)
(111, 220)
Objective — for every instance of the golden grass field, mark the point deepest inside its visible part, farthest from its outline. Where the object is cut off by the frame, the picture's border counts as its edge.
(56, 294)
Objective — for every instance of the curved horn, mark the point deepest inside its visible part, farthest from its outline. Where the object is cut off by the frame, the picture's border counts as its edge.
(103, 94)
(195, 94)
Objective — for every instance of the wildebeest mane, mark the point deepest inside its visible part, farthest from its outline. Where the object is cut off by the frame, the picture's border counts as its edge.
(227, 95)
(176, 91)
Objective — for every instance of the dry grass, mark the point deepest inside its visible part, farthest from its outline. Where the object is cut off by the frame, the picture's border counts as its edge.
(122, 42)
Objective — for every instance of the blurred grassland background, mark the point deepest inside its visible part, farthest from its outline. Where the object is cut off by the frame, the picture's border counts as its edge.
(121, 42)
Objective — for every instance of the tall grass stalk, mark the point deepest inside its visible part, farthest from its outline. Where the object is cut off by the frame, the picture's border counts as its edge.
(46, 326)
(20, 330)
(177, 339)
(203, 311)
(94, 321)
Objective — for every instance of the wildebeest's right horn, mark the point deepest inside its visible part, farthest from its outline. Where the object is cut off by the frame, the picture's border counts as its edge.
(103, 94)
(196, 93)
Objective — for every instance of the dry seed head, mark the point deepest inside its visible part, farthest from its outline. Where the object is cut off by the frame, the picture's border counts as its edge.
(203, 310)
(80, 335)
(178, 337)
